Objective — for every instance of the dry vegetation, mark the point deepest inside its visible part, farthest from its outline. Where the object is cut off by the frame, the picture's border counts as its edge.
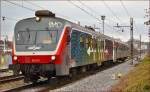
(138, 80)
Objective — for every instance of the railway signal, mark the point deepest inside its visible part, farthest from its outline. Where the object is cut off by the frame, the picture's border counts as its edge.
(131, 37)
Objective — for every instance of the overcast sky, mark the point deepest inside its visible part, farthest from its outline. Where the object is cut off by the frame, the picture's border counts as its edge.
(114, 11)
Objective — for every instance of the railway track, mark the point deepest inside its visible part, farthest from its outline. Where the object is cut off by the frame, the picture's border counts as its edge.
(25, 86)
(10, 78)
(14, 89)
(55, 83)
(4, 70)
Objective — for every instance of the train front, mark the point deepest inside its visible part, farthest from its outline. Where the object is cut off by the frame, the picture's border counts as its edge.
(36, 47)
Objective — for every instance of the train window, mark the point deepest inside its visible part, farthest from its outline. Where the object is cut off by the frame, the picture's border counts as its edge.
(81, 41)
(91, 43)
(94, 43)
(25, 37)
(87, 42)
(46, 37)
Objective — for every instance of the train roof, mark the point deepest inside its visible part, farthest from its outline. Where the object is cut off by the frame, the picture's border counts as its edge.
(84, 29)
(95, 33)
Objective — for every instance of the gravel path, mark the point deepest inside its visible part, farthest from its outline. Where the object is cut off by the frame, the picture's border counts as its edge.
(100, 82)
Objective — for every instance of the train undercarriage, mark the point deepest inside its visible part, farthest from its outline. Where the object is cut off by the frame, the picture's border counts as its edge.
(33, 72)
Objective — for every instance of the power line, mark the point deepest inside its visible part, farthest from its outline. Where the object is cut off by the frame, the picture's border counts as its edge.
(33, 9)
(92, 9)
(107, 6)
(85, 11)
(110, 27)
(87, 7)
(94, 12)
(88, 13)
(111, 11)
(126, 10)
(29, 2)
(20, 5)
(44, 9)
(67, 16)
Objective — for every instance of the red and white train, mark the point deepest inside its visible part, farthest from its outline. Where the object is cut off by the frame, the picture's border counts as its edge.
(48, 46)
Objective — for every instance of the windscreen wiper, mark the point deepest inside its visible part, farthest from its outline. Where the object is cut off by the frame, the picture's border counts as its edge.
(34, 47)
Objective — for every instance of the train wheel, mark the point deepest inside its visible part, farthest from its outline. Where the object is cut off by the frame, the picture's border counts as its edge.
(16, 70)
(94, 67)
(26, 79)
(34, 78)
(31, 78)
(83, 69)
(72, 73)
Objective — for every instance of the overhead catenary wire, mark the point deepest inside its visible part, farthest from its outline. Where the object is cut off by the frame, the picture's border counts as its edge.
(88, 13)
(128, 14)
(113, 13)
(126, 10)
(31, 3)
(84, 11)
(94, 12)
(46, 9)
(22, 6)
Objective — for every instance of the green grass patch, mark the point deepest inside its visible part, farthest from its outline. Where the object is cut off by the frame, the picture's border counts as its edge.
(138, 80)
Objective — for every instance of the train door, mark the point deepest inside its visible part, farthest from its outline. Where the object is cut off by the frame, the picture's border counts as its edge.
(102, 50)
(96, 51)
(80, 48)
(74, 48)
(104, 46)
(99, 52)
(114, 51)
(90, 50)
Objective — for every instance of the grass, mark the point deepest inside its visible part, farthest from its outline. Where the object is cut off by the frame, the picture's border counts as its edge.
(138, 80)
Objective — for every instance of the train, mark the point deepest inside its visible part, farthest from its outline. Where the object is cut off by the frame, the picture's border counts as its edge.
(48, 46)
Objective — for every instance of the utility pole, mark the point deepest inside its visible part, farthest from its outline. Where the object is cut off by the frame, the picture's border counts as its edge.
(149, 31)
(103, 18)
(131, 34)
(148, 23)
(140, 47)
(131, 37)
(0, 22)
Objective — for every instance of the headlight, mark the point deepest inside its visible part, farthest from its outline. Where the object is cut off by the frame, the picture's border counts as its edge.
(53, 57)
(15, 58)
(37, 19)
